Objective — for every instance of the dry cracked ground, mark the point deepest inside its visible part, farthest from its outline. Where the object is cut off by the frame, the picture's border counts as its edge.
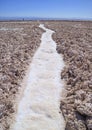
(74, 41)
(18, 43)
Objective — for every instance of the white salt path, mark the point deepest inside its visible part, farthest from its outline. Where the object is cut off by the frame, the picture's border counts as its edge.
(39, 108)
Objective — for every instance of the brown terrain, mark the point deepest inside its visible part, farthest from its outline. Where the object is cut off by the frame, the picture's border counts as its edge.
(18, 43)
(74, 41)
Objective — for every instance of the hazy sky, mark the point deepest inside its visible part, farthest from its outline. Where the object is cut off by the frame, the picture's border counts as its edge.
(47, 8)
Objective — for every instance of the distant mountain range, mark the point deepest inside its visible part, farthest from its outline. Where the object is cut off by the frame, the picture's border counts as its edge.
(41, 18)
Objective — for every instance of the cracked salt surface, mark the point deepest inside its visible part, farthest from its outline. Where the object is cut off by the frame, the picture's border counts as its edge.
(10, 29)
(39, 108)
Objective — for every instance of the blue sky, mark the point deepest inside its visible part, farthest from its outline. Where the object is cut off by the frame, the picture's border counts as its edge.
(46, 8)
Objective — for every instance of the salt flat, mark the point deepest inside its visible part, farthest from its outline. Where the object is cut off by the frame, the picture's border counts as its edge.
(39, 107)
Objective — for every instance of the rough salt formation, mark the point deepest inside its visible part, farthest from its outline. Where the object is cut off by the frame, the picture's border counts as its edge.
(75, 43)
(18, 42)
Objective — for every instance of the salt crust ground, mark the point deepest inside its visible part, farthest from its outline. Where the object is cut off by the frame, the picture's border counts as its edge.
(39, 108)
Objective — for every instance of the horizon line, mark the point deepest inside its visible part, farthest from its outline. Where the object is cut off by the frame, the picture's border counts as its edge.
(41, 18)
